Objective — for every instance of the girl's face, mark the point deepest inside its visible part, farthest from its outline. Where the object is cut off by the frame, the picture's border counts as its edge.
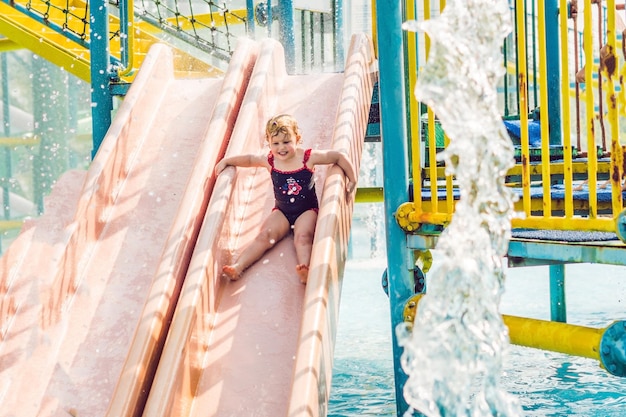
(283, 145)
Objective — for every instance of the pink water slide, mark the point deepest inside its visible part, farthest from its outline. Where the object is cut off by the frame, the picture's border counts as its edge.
(112, 303)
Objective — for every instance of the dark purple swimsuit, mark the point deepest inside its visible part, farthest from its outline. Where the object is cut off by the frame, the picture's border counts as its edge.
(294, 191)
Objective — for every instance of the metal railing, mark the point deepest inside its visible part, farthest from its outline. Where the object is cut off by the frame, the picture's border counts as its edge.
(562, 184)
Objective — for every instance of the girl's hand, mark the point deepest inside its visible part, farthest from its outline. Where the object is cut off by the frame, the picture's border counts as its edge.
(350, 187)
(221, 166)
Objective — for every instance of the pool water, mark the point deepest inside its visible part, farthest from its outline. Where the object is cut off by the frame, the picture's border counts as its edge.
(545, 383)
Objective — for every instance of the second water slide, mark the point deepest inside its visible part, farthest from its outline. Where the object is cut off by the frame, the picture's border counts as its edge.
(263, 345)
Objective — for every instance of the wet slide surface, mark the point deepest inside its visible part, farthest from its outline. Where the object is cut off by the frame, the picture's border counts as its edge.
(262, 345)
(77, 283)
(252, 348)
(88, 291)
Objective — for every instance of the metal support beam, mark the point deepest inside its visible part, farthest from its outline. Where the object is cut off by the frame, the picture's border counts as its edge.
(558, 308)
(286, 35)
(553, 71)
(101, 96)
(395, 168)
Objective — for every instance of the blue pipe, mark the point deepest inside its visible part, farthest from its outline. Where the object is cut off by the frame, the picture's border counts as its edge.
(613, 348)
(553, 68)
(395, 168)
(250, 17)
(101, 97)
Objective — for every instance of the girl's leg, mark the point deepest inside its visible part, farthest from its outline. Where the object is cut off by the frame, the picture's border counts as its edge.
(274, 228)
(303, 233)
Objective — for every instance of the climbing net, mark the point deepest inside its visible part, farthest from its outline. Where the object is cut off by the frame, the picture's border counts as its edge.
(205, 24)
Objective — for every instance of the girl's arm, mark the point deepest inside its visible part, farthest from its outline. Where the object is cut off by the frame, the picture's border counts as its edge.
(339, 159)
(249, 160)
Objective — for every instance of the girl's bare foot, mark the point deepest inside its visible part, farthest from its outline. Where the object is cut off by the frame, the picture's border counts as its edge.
(232, 272)
(303, 272)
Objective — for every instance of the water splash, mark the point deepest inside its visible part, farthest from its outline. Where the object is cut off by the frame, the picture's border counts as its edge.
(453, 354)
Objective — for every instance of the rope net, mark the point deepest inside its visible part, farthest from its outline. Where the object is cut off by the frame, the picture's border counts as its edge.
(205, 24)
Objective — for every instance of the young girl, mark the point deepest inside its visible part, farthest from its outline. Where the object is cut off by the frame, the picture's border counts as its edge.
(291, 168)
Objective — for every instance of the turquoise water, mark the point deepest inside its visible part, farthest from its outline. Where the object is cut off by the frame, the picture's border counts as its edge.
(545, 383)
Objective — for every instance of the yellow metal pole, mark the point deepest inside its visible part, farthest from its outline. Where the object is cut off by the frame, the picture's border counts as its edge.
(555, 336)
(369, 195)
(610, 72)
(12, 141)
(414, 112)
(520, 17)
(590, 109)
(374, 28)
(570, 339)
(10, 225)
(130, 32)
(543, 99)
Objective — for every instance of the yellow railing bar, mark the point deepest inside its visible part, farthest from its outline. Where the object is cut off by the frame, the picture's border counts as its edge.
(432, 131)
(414, 116)
(8, 45)
(543, 100)
(432, 160)
(431, 127)
(589, 103)
(523, 104)
(449, 185)
(6, 225)
(19, 141)
(130, 32)
(600, 224)
(617, 155)
(374, 28)
(538, 210)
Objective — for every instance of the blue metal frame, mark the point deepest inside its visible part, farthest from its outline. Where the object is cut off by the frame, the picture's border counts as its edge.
(558, 310)
(101, 96)
(286, 35)
(553, 68)
(339, 33)
(396, 173)
(250, 17)
(6, 118)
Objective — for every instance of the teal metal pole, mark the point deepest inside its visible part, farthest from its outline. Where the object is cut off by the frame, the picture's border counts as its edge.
(270, 18)
(553, 68)
(558, 308)
(395, 171)
(101, 95)
(286, 34)
(124, 38)
(338, 26)
(250, 17)
(5, 172)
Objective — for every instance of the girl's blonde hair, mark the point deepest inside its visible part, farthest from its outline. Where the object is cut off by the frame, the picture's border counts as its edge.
(283, 123)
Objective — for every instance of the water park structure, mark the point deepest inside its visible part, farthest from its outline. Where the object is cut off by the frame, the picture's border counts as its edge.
(124, 312)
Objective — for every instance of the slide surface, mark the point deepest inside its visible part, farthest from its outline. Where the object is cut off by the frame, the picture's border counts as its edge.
(88, 291)
(263, 345)
(78, 286)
